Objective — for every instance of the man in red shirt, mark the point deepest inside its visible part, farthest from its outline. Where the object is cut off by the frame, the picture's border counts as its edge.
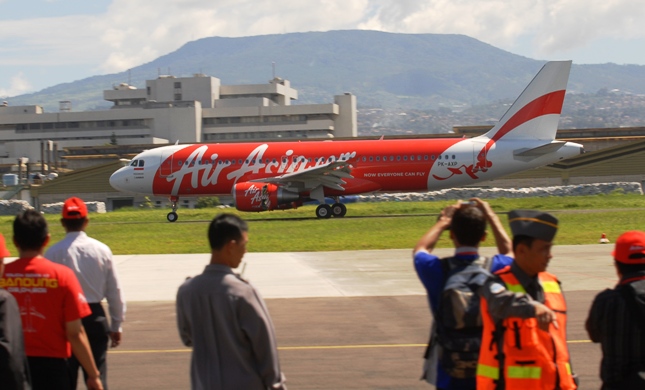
(51, 305)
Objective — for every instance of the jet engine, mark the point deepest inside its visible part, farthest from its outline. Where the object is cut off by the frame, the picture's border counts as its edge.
(250, 196)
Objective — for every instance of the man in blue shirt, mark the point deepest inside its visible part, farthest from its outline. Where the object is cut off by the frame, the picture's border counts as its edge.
(466, 223)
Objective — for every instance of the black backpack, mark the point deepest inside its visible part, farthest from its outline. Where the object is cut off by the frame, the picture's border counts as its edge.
(459, 321)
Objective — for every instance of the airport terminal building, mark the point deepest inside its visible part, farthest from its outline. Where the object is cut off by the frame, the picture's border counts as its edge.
(173, 109)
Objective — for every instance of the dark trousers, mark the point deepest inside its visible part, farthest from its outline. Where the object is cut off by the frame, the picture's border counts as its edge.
(97, 329)
(48, 373)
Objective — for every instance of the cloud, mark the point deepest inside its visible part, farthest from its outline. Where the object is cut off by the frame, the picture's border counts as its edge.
(139, 31)
(570, 24)
(128, 33)
(552, 26)
(19, 85)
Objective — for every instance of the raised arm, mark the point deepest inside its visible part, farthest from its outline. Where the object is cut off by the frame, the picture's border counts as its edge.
(431, 237)
(502, 240)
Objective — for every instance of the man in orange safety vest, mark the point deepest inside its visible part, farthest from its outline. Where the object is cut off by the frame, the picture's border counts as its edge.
(526, 353)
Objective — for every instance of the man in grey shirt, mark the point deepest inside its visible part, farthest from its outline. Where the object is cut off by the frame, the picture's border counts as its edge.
(225, 319)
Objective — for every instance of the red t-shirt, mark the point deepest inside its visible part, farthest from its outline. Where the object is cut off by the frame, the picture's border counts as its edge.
(49, 295)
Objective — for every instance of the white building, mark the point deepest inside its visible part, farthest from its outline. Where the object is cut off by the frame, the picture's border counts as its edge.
(171, 109)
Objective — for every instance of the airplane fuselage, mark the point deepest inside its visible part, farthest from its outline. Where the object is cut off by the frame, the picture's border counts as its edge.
(376, 165)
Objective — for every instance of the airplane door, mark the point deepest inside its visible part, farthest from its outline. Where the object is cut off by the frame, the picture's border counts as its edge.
(166, 167)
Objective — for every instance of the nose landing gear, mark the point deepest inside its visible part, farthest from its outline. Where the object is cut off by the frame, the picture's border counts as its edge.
(172, 216)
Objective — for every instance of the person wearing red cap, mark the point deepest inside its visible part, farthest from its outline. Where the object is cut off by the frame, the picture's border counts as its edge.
(91, 261)
(51, 304)
(617, 317)
(14, 368)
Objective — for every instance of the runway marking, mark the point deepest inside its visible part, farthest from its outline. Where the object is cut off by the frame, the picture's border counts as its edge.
(310, 347)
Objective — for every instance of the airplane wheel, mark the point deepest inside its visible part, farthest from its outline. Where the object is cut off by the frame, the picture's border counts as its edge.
(323, 211)
(338, 210)
(172, 216)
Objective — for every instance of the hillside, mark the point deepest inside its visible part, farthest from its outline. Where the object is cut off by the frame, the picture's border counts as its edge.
(415, 71)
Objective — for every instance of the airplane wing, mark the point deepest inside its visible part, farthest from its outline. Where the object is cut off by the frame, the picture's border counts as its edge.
(328, 175)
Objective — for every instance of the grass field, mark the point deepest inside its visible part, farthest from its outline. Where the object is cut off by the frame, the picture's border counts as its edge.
(385, 226)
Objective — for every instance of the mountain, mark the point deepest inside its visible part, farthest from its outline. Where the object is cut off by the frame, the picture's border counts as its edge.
(415, 71)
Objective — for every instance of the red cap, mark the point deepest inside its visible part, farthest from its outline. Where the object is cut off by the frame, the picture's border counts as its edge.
(4, 252)
(630, 248)
(74, 208)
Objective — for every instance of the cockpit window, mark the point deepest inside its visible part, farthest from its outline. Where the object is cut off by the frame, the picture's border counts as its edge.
(140, 163)
(134, 163)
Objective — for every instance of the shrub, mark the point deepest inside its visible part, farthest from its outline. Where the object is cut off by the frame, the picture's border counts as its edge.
(207, 202)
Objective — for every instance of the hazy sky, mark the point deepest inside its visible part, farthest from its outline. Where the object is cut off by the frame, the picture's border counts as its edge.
(48, 42)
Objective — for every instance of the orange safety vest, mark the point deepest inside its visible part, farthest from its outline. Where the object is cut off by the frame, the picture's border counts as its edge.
(531, 358)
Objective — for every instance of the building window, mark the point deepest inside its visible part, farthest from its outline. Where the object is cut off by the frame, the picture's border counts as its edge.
(177, 84)
(177, 96)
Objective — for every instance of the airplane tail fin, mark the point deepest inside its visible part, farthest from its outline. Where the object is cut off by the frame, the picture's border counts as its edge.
(536, 112)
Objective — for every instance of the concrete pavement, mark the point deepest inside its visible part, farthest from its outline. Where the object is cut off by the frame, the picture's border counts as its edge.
(340, 274)
(344, 320)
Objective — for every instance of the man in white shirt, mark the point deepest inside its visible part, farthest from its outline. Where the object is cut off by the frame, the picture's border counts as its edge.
(91, 261)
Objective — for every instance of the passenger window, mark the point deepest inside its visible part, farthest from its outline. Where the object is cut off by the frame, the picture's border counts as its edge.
(411, 158)
(405, 158)
(398, 158)
(378, 158)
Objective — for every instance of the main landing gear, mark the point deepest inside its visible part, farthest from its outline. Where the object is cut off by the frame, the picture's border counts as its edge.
(172, 216)
(337, 210)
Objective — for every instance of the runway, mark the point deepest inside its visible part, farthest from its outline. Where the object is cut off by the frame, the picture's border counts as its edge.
(344, 320)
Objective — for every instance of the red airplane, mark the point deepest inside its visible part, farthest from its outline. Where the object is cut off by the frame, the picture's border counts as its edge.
(283, 175)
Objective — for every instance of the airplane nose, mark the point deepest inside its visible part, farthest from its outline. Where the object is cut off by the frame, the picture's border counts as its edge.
(118, 180)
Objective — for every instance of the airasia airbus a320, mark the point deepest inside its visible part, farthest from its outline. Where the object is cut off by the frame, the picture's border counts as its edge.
(283, 175)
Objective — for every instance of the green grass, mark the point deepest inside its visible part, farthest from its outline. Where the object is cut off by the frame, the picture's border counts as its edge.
(582, 220)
